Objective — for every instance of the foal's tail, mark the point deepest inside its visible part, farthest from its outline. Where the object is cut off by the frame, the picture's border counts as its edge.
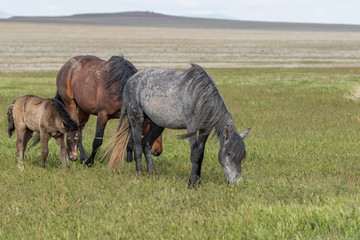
(11, 126)
(120, 140)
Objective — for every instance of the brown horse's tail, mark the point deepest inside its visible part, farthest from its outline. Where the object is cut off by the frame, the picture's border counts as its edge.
(11, 126)
(119, 143)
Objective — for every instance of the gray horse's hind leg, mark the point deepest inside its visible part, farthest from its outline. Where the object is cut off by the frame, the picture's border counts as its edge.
(129, 150)
(136, 133)
(197, 145)
(154, 132)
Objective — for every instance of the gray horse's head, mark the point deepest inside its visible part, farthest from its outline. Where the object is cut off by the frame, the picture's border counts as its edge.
(232, 152)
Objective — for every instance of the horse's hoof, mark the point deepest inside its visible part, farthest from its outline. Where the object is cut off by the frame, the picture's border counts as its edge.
(21, 166)
(88, 163)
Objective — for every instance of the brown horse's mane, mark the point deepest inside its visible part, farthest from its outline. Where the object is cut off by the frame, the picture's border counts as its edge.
(121, 70)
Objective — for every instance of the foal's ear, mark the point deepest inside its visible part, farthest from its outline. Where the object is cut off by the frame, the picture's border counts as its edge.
(226, 132)
(245, 133)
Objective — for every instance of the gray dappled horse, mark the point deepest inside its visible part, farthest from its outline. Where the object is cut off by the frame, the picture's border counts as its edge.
(178, 100)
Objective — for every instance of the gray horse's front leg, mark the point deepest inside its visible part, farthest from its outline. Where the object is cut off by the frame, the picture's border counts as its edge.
(197, 145)
(136, 135)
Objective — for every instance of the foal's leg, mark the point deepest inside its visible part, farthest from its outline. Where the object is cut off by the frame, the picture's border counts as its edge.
(100, 127)
(27, 137)
(147, 142)
(60, 142)
(20, 140)
(197, 145)
(44, 138)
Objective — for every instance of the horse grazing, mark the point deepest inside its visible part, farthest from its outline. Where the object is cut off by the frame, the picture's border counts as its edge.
(88, 85)
(50, 118)
(178, 100)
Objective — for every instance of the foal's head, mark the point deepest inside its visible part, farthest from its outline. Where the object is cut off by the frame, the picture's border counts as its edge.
(72, 143)
(232, 152)
(73, 132)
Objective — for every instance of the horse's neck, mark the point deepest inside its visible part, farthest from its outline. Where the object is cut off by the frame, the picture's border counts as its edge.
(229, 123)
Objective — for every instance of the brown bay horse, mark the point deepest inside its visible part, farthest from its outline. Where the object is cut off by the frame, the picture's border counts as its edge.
(50, 118)
(88, 85)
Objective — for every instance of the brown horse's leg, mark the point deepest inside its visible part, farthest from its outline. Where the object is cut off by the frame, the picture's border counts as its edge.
(156, 149)
(20, 135)
(100, 127)
(147, 142)
(60, 142)
(83, 118)
(44, 138)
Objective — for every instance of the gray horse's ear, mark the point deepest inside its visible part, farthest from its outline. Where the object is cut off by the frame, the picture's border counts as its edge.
(226, 132)
(245, 133)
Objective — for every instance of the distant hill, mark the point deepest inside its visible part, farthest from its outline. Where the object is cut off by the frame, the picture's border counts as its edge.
(151, 19)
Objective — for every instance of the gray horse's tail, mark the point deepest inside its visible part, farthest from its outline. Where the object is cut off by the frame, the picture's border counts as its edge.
(120, 141)
(11, 126)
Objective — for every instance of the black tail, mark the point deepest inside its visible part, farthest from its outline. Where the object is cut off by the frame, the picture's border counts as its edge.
(11, 126)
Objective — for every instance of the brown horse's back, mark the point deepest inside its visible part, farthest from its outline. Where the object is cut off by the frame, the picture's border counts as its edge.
(82, 80)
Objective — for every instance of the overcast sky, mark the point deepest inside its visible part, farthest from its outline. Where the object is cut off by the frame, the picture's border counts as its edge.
(315, 11)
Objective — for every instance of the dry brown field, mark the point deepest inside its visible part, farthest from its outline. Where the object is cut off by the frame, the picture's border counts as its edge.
(45, 47)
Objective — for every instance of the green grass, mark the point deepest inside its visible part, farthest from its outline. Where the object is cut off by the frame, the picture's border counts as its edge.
(301, 176)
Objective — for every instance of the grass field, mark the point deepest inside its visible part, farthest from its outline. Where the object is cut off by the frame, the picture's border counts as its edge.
(301, 176)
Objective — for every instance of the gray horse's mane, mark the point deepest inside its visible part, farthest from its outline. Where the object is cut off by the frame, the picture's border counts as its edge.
(211, 106)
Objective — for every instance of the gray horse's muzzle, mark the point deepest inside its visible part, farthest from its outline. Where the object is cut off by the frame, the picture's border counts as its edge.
(232, 176)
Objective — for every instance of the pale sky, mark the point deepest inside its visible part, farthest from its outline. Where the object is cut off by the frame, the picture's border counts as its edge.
(314, 11)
